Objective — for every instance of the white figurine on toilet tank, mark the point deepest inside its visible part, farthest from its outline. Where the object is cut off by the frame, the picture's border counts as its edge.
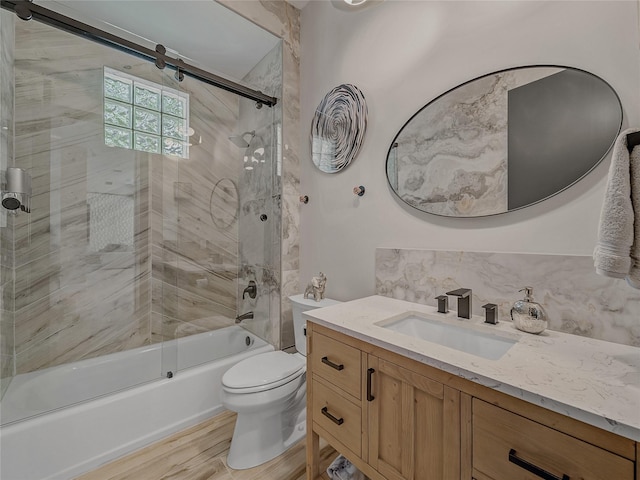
(316, 287)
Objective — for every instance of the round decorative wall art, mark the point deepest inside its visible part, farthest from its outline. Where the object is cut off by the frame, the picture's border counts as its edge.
(338, 128)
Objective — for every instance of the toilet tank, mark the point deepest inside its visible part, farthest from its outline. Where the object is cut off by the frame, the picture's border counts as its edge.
(300, 304)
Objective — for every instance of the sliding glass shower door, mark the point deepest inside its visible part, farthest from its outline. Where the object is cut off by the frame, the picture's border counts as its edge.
(138, 197)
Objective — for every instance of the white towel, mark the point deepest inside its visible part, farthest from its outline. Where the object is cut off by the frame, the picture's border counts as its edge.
(617, 253)
(633, 278)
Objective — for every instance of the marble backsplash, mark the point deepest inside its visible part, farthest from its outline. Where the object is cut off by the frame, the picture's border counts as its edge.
(576, 299)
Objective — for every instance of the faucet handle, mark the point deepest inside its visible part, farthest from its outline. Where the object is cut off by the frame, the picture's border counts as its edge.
(252, 290)
(490, 313)
(443, 303)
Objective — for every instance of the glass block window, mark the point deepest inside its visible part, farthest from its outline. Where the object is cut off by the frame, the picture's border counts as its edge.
(145, 116)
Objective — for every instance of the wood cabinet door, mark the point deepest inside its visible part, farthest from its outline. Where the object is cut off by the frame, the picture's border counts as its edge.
(414, 424)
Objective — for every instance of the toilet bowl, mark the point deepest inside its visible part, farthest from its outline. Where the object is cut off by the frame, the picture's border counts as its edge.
(268, 392)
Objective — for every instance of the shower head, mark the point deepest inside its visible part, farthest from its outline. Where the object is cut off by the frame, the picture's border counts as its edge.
(240, 140)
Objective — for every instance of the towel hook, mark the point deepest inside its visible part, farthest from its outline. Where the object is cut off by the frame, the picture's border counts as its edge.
(359, 191)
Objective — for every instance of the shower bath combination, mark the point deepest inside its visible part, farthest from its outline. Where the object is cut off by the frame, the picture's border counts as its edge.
(87, 197)
(17, 192)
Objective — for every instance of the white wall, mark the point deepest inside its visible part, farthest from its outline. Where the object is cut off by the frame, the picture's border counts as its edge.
(402, 54)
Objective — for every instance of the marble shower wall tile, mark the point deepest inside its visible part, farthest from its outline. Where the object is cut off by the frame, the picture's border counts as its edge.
(7, 31)
(123, 332)
(7, 362)
(265, 324)
(256, 245)
(61, 143)
(290, 213)
(59, 135)
(73, 326)
(259, 214)
(7, 303)
(74, 301)
(185, 306)
(164, 328)
(576, 299)
(283, 20)
(194, 260)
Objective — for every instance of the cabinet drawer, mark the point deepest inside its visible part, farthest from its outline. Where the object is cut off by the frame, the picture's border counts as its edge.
(336, 362)
(338, 416)
(507, 446)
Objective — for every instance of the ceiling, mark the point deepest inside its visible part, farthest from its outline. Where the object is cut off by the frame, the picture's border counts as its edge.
(202, 32)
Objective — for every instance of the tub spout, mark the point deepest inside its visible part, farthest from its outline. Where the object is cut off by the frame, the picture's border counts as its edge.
(244, 316)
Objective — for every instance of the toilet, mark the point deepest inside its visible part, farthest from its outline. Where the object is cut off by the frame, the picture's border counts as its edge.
(268, 392)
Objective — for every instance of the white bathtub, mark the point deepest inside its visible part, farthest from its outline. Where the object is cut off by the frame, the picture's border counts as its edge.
(72, 440)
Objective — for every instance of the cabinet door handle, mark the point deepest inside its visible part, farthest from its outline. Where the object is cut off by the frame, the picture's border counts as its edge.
(326, 361)
(370, 373)
(337, 421)
(530, 467)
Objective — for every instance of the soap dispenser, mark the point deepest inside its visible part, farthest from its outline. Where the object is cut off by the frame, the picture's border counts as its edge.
(528, 315)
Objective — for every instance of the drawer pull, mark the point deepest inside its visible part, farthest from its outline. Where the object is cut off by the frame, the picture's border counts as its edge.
(326, 361)
(530, 467)
(337, 421)
(370, 373)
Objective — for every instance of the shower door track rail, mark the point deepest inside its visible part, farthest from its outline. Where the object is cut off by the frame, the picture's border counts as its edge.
(26, 10)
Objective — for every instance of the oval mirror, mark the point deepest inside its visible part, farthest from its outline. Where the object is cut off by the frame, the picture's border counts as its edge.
(504, 141)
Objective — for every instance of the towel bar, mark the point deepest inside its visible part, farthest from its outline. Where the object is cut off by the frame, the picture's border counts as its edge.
(633, 139)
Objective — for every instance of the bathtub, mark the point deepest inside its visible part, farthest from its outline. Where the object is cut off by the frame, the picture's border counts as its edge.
(100, 426)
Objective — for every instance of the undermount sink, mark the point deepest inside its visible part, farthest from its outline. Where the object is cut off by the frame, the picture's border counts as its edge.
(463, 338)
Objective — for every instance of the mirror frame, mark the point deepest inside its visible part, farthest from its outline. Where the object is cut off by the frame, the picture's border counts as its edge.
(604, 155)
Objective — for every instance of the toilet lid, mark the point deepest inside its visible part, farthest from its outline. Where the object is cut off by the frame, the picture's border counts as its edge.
(263, 371)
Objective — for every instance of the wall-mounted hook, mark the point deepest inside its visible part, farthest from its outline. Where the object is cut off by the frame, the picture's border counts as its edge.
(358, 190)
(304, 199)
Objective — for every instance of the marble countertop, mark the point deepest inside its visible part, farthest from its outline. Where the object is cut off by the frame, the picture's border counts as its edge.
(593, 381)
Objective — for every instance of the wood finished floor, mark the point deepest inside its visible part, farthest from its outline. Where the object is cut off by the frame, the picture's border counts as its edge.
(200, 453)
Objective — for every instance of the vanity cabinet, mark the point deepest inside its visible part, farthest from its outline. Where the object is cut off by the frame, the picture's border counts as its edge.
(334, 379)
(413, 423)
(399, 419)
(507, 446)
(391, 421)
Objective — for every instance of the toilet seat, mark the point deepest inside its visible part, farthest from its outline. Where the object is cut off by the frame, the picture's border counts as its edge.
(263, 372)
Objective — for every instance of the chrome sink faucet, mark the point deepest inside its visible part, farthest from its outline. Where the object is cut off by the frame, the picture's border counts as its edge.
(464, 301)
